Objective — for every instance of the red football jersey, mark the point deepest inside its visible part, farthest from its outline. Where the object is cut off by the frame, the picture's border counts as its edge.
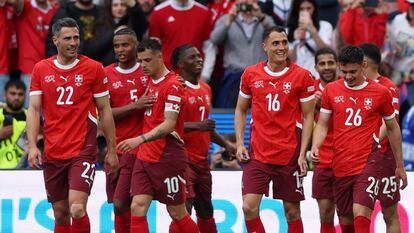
(276, 98)
(357, 114)
(68, 105)
(326, 150)
(395, 93)
(170, 98)
(167, 22)
(4, 51)
(197, 108)
(125, 87)
(32, 23)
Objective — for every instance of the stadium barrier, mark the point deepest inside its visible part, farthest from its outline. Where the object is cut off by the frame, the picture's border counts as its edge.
(23, 207)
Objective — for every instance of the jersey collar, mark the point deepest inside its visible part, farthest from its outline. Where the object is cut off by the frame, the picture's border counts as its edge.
(275, 74)
(192, 86)
(182, 7)
(357, 88)
(65, 67)
(160, 79)
(127, 71)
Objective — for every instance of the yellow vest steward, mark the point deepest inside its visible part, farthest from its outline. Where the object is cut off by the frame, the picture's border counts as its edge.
(10, 152)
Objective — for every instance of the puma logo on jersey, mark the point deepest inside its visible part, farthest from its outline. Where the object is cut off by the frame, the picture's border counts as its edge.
(200, 98)
(175, 87)
(171, 196)
(354, 100)
(372, 197)
(390, 196)
(299, 191)
(66, 79)
(131, 81)
(273, 84)
(89, 183)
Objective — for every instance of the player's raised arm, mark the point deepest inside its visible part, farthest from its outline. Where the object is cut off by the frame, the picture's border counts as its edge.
(33, 127)
(240, 115)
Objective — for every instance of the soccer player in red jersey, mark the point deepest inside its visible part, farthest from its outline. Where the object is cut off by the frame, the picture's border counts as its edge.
(68, 89)
(198, 132)
(159, 169)
(127, 85)
(389, 194)
(357, 106)
(322, 180)
(276, 90)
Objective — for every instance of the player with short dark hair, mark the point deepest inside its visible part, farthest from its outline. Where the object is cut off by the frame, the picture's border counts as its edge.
(159, 169)
(127, 85)
(276, 90)
(322, 180)
(357, 106)
(389, 194)
(199, 129)
(68, 89)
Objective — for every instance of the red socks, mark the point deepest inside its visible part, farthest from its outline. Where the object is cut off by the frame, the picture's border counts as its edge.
(207, 225)
(295, 226)
(62, 228)
(362, 224)
(327, 227)
(139, 224)
(123, 223)
(174, 228)
(187, 225)
(255, 226)
(81, 225)
(347, 228)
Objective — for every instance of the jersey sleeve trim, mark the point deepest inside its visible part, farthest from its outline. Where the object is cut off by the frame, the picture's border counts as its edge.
(324, 110)
(396, 112)
(395, 100)
(390, 117)
(102, 94)
(303, 100)
(299, 125)
(245, 95)
(33, 93)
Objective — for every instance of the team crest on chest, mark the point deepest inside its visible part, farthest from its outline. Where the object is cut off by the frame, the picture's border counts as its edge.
(367, 103)
(49, 78)
(258, 84)
(287, 86)
(78, 80)
(191, 100)
(339, 99)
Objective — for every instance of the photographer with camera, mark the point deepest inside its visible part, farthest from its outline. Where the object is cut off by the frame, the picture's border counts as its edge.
(241, 32)
(364, 21)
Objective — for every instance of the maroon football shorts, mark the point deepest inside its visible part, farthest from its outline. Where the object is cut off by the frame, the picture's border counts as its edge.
(76, 173)
(287, 185)
(199, 181)
(358, 189)
(389, 190)
(322, 183)
(118, 185)
(164, 181)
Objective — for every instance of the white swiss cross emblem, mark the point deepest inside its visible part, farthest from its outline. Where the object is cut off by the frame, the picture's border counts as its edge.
(144, 79)
(78, 80)
(191, 100)
(368, 103)
(287, 86)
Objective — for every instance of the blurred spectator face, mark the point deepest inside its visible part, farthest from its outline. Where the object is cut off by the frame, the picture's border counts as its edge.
(118, 9)
(410, 11)
(276, 47)
(147, 5)
(151, 61)
(326, 67)
(191, 61)
(125, 47)
(14, 98)
(67, 42)
(307, 6)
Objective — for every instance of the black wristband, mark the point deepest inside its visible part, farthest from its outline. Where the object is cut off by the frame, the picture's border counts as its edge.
(143, 138)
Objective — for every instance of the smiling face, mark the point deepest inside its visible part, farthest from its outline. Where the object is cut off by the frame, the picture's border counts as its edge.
(353, 73)
(191, 61)
(276, 47)
(67, 42)
(326, 67)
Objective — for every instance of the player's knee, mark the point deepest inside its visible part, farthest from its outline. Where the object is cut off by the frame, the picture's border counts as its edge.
(327, 215)
(390, 214)
(119, 207)
(250, 210)
(139, 207)
(62, 216)
(77, 210)
(177, 212)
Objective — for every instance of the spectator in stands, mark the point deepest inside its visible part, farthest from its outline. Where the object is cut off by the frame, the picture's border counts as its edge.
(85, 13)
(147, 7)
(278, 9)
(13, 125)
(223, 158)
(241, 31)
(33, 19)
(4, 61)
(401, 46)
(118, 14)
(408, 139)
(177, 22)
(363, 23)
(307, 33)
(329, 11)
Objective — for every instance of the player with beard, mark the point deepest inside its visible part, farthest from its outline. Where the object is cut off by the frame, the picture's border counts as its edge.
(127, 85)
(69, 89)
(357, 106)
(276, 90)
(199, 131)
(12, 124)
(322, 180)
(389, 194)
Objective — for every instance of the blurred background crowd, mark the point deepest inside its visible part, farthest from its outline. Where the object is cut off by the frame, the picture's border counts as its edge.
(228, 32)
